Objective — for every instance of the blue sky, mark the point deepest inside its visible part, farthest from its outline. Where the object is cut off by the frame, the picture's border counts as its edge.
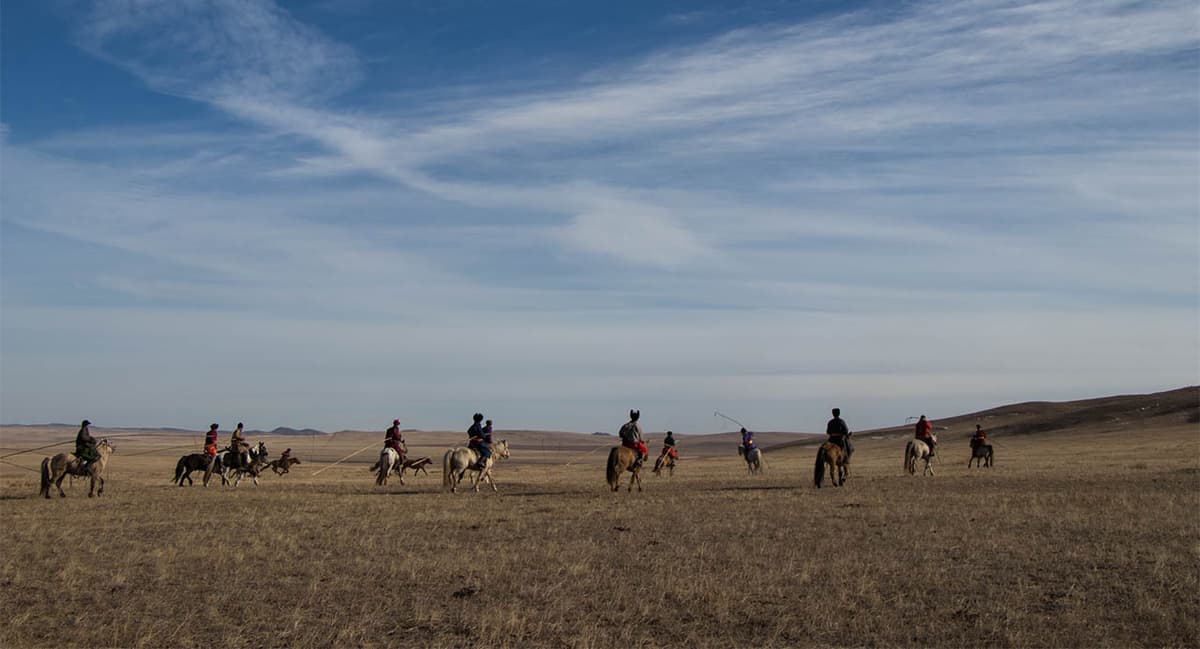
(331, 214)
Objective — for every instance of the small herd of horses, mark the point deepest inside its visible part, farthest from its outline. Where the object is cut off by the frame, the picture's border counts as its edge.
(458, 462)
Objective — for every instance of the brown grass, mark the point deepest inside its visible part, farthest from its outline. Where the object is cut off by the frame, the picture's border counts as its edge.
(1072, 540)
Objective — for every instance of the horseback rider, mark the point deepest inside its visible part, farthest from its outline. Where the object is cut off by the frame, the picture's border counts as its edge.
(669, 446)
(239, 447)
(631, 437)
(839, 432)
(394, 440)
(979, 438)
(747, 442)
(210, 443)
(85, 447)
(924, 432)
(284, 457)
(480, 439)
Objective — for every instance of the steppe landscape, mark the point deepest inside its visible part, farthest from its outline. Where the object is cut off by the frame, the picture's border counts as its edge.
(1086, 533)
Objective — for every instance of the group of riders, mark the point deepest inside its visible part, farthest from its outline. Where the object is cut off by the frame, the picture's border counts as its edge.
(836, 430)
(238, 449)
(479, 438)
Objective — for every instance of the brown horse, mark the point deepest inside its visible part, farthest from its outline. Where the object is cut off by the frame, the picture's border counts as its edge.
(620, 460)
(54, 469)
(282, 465)
(417, 465)
(665, 461)
(831, 454)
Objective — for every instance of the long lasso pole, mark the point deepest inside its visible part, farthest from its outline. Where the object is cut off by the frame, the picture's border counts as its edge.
(373, 445)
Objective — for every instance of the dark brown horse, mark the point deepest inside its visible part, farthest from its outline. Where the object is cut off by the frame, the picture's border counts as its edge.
(193, 462)
(831, 454)
(282, 465)
(620, 460)
(981, 454)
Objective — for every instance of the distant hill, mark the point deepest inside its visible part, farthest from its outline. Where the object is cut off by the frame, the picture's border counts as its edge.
(284, 430)
(1131, 411)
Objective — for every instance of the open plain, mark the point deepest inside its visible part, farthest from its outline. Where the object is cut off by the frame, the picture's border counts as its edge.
(1086, 533)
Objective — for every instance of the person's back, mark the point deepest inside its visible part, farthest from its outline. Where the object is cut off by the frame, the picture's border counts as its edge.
(924, 432)
(477, 440)
(669, 446)
(839, 433)
(979, 438)
(394, 440)
(631, 437)
(85, 446)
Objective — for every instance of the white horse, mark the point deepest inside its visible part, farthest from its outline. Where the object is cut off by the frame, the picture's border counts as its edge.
(918, 450)
(754, 459)
(389, 460)
(228, 465)
(458, 461)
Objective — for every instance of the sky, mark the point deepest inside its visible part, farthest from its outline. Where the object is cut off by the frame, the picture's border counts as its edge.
(332, 214)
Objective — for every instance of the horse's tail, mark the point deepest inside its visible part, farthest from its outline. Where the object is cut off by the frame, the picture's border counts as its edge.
(384, 467)
(179, 468)
(45, 490)
(910, 462)
(819, 469)
(613, 472)
(446, 468)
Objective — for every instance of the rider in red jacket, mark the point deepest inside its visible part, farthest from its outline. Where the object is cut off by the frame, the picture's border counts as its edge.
(924, 433)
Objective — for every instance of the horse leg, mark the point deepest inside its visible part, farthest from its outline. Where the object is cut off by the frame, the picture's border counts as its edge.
(58, 483)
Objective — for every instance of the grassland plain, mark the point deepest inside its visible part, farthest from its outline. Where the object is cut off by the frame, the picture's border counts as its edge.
(1074, 539)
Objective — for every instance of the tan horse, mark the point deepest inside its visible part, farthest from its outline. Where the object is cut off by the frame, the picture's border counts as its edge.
(458, 461)
(54, 469)
(835, 457)
(620, 460)
(918, 450)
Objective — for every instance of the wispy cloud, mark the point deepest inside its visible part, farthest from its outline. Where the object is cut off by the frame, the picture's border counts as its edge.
(874, 203)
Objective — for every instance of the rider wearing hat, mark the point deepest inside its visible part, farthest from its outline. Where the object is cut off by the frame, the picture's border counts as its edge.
(394, 440)
(479, 438)
(669, 446)
(85, 446)
(239, 447)
(631, 437)
(210, 442)
(747, 441)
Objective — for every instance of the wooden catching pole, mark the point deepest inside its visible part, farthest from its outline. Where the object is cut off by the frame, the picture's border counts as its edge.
(373, 445)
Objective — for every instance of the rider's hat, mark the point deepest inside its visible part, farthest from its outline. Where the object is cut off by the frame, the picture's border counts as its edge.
(86, 423)
(634, 414)
(395, 422)
(213, 426)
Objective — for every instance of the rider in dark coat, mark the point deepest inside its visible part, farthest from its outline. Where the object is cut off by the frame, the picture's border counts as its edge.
(839, 433)
(85, 446)
(480, 439)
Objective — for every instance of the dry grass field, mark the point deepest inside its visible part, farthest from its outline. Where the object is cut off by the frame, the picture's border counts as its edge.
(1082, 535)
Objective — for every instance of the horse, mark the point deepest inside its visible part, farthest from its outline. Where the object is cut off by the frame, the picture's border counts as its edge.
(417, 465)
(60, 466)
(228, 465)
(457, 461)
(389, 460)
(918, 450)
(839, 468)
(754, 459)
(189, 463)
(620, 460)
(982, 455)
(282, 465)
(665, 461)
